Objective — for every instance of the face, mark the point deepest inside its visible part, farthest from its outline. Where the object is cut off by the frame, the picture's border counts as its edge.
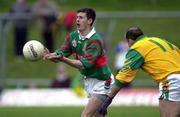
(82, 22)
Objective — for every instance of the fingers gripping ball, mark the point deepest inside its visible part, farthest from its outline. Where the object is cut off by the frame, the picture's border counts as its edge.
(33, 50)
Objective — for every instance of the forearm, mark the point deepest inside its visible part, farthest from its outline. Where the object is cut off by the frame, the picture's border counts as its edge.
(108, 100)
(74, 63)
(115, 89)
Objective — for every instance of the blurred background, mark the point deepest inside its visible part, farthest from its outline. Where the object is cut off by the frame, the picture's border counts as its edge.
(50, 21)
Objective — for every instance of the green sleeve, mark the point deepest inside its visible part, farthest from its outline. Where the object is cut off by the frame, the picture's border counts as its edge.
(132, 64)
(65, 48)
(134, 60)
(118, 83)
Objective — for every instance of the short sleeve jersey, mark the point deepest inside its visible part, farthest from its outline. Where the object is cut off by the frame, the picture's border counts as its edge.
(156, 56)
(90, 52)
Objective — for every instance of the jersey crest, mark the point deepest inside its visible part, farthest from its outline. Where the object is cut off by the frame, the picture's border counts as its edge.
(74, 43)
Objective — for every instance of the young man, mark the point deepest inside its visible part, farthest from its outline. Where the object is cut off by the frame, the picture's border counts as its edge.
(161, 60)
(89, 53)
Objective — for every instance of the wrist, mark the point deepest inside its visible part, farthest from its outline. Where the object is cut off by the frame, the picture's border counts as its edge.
(58, 52)
(110, 98)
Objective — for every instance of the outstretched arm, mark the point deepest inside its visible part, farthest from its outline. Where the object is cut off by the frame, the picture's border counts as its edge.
(108, 101)
(57, 58)
(74, 63)
(114, 91)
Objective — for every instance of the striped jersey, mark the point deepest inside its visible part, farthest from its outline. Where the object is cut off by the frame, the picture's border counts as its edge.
(156, 56)
(90, 52)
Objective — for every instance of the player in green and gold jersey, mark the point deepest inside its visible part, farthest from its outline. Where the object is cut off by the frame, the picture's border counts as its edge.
(89, 57)
(161, 60)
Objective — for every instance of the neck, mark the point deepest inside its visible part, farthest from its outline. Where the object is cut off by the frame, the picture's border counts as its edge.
(85, 32)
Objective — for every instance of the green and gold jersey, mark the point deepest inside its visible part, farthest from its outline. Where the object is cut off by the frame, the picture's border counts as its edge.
(156, 56)
(90, 52)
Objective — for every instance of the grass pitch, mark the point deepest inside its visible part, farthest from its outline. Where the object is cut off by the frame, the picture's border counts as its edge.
(121, 111)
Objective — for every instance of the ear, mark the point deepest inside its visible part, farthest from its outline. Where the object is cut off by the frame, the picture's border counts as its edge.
(90, 21)
(130, 42)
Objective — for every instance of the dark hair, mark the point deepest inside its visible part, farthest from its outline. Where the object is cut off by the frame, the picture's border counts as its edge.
(133, 33)
(90, 13)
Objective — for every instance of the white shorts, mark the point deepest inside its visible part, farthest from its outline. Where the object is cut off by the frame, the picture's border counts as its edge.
(95, 86)
(170, 89)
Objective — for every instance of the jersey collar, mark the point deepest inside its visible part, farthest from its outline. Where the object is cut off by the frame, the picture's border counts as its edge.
(140, 38)
(92, 32)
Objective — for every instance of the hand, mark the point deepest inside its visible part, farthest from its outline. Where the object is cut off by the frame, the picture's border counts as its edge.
(45, 53)
(52, 56)
(104, 106)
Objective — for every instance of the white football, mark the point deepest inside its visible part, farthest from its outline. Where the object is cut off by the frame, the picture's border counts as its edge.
(33, 50)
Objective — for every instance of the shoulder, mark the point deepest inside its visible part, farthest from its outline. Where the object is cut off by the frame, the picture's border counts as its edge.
(143, 43)
(142, 46)
(96, 38)
(71, 35)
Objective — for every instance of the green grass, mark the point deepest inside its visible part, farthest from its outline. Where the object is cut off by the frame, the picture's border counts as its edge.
(135, 111)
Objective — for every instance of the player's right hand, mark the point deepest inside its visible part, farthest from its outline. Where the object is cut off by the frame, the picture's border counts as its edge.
(51, 56)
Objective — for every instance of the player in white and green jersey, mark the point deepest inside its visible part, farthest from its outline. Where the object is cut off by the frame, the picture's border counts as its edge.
(161, 60)
(87, 47)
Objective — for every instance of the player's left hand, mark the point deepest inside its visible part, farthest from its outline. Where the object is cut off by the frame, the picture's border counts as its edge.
(104, 106)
